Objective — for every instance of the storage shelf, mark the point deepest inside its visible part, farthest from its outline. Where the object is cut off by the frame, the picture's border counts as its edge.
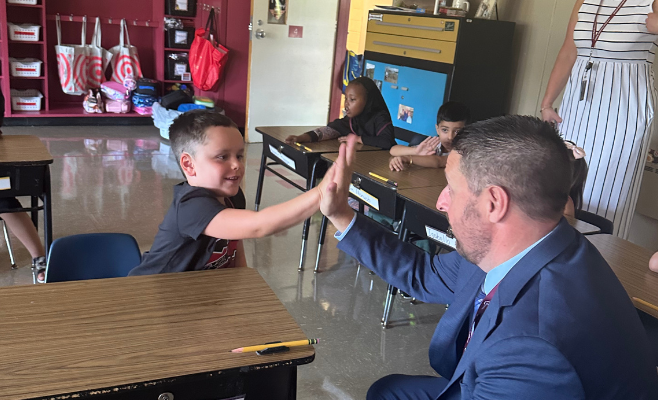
(25, 5)
(176, 16)
(179, 50)
(175, 81)
(27, 77)
(70, 110)
(25, 42)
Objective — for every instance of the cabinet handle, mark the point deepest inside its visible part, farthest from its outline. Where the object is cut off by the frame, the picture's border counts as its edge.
(422, 28)
(404, 46)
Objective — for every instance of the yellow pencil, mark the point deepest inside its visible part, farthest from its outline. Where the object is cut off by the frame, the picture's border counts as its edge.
(304, 342)
(301, 145)
(645, 303)
(390, 182)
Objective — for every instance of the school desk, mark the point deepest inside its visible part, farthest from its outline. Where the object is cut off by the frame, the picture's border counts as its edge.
(25, 171)
(147, 337)
(630, 263)
(303, 160)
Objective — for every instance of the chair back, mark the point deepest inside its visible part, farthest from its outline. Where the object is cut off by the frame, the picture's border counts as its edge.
(92, 256)
(605, 225)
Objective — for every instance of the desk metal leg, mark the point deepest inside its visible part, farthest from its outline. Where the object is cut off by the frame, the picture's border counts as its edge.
(261, 177)
(9, 249)
(47, 213)
(323, 233)
(310, 183)
(403, 233)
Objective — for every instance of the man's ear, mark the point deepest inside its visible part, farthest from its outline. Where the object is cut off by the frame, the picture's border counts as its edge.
(187, 164)
(497, 200)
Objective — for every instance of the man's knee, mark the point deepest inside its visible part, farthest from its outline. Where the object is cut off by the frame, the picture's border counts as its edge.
(384, 388)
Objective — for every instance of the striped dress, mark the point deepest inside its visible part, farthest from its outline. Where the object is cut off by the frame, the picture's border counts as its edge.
(613, 122)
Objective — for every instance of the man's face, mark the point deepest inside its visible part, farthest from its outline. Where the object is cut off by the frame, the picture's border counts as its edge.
(464, 209)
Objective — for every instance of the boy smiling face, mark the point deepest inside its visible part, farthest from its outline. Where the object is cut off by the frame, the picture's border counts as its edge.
(218, 163)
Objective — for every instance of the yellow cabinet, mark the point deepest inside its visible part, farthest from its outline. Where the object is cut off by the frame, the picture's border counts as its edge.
(423, 49)
(417, 27)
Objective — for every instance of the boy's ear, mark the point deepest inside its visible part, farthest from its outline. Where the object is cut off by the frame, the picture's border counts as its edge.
(187, 164)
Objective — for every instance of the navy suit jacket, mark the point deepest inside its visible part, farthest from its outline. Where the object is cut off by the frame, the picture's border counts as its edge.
(560, 326)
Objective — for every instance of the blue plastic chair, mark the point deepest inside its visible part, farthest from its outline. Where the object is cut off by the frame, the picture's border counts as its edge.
(92, 256)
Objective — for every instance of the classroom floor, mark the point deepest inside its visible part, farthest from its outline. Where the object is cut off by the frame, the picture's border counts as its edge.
(119, 179)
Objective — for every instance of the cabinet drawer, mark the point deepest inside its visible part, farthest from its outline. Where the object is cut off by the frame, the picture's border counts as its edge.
(418, 27)
(423, 49)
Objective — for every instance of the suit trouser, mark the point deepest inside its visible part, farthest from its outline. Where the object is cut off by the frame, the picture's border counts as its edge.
(407, 387)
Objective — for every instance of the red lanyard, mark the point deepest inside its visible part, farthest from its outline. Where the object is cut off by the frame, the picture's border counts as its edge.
(478, 315)
(596, 34)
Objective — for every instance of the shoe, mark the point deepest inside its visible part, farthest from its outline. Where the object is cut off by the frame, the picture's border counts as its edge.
(405, 295)
(39, 269)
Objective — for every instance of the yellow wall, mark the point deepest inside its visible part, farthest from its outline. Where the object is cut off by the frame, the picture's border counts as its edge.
(356, 31)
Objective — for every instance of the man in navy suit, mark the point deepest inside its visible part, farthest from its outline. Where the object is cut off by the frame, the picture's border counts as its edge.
(535, 311)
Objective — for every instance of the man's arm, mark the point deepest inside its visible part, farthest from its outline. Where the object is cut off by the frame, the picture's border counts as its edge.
(403, 265)
(525, 368)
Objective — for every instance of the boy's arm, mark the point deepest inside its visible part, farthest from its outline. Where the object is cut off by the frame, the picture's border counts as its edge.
(235, 224)
(399, 150)
(430, 161)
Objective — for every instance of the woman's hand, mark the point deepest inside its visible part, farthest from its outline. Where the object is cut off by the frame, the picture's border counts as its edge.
(549, 115)
(652, 19)
(343, 139)
(397, 163)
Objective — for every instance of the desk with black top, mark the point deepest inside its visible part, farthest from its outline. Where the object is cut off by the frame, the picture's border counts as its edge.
(304, 160)
(25, 171)
(159, 337)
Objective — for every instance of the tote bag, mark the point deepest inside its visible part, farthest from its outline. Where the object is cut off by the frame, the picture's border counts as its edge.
(72, 62)
(125, 61)
(207, 58)
(98, 59)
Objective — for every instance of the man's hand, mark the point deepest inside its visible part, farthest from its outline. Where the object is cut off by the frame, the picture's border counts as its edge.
(335, 186)
(428, 146)
(397, 163)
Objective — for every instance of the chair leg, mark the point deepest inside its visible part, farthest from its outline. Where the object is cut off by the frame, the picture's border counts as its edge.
(390, 296)
(11, 251)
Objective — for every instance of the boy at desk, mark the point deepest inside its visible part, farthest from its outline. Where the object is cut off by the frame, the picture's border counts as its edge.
(207, 220)
(433, 151)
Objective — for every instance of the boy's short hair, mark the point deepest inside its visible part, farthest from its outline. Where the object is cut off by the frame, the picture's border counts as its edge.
(453, 111)
(189, 129)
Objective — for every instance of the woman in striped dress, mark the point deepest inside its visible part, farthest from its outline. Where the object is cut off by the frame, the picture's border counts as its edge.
(608, 104)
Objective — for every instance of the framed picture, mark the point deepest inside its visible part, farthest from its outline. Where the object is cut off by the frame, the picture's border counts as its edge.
(277, 12)
(486, 9)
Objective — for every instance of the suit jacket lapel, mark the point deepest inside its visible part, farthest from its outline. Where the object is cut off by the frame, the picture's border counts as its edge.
(443, 351)
(510, 287)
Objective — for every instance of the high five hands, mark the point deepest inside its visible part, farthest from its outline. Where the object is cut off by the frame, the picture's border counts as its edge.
(335, 187)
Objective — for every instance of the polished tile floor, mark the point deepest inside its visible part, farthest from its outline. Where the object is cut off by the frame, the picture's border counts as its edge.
(119, 179)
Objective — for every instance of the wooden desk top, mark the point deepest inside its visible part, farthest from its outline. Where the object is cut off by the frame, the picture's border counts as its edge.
(412, 177)
(280, 133)
(428, 196)
(23, 149)
(630, 263)
(76, 336)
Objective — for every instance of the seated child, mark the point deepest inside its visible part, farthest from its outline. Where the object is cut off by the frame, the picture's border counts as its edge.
(433, 151)
(206, 222)
(578, 177)
(20, 224)
(366, 115)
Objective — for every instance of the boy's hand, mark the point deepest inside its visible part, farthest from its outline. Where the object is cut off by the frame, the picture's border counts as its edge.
(397, 163)
(335, 186)
(428, 146)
